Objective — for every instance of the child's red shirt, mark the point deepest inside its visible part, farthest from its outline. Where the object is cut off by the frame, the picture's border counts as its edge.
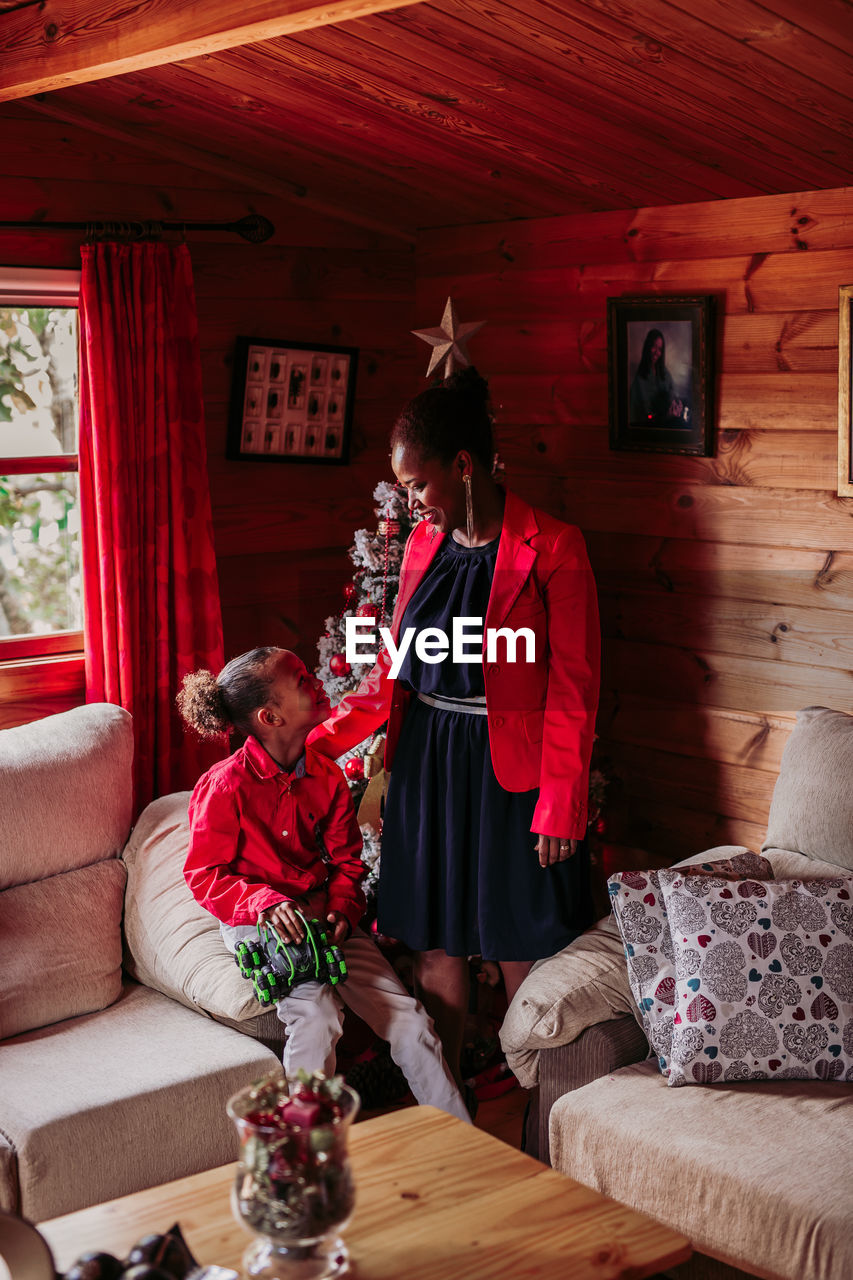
(259, 836)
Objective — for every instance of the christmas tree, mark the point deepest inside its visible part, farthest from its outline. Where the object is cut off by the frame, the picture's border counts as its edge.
(377, 558)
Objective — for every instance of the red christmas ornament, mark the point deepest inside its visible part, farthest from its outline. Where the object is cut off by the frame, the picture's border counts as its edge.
(366, 610)
(350, 594)
(338, 665)
(599, 826)
(354, 768)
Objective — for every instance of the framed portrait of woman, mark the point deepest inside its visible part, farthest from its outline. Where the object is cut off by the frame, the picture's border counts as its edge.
(661, 375)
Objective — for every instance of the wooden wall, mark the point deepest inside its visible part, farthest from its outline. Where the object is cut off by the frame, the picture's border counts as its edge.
(281, 530)
(726, 583)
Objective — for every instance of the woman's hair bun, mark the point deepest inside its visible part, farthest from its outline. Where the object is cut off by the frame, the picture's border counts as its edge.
(449, 416)
(468, 382)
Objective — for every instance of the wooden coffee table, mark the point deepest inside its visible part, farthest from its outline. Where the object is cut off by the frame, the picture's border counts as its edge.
(435, 1200)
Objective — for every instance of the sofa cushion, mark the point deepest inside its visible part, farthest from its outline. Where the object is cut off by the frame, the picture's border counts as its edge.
(640, 911)
(788, 865)
(173, 944)
(812, 807)
(757, 1175)
(59, 957)
(65, 801)
(585, 983)
(130, 1097)
(764, 979)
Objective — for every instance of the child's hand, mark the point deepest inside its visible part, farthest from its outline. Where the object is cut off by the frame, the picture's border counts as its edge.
(284, 919)
(340, 927)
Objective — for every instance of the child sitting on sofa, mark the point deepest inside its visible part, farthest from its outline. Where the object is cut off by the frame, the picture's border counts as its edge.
(273, 832)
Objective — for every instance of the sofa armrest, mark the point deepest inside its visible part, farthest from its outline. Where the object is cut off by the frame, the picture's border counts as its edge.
(584, 984)
(596, 1052)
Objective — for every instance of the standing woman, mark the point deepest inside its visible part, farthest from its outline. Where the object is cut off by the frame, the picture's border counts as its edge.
(483, 849)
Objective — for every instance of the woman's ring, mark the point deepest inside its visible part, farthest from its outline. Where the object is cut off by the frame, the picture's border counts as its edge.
(564, 844)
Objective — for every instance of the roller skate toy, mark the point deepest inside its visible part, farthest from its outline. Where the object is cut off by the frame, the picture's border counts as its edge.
(275, 967)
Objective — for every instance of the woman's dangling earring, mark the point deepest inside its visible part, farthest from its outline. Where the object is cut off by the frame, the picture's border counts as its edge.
(469, 508)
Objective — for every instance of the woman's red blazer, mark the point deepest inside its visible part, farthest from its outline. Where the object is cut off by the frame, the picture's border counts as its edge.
(541, 714)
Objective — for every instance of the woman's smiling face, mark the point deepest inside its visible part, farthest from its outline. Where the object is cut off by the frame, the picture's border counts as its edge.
(434, 490)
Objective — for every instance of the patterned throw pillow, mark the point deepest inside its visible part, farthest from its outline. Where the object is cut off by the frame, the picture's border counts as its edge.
(640, 912)
(764, 979)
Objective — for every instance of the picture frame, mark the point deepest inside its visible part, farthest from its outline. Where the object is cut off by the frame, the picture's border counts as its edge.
(845, 391)
(668, 411)
(291, 401)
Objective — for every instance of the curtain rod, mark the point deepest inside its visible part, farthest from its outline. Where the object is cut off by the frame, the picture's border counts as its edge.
(254, 228)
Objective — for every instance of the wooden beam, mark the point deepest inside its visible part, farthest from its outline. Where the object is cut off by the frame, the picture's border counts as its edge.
(243, 176)
(63, 42)
(58, 43)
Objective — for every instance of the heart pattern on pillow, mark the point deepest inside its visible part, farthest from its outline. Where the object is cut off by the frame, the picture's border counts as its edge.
(643, 920)
(799, 958)
(735, 919)
(778, 997)
(842, 916)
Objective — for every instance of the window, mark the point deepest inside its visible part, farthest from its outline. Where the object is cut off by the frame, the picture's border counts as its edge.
(40, 585)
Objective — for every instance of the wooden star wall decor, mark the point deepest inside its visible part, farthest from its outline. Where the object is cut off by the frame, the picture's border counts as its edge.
(449, 341)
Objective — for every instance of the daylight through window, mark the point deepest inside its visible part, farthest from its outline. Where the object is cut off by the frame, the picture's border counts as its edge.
(40, 587)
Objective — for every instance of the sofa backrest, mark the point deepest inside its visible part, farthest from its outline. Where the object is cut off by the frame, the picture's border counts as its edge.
(65, 810)
(812, 807)
(65, 792)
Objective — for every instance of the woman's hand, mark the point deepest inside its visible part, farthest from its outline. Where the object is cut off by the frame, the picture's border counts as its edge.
(553, 849)
(284, 919)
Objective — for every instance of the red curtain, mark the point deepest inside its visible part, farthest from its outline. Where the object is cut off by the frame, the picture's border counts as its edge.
(150, 587)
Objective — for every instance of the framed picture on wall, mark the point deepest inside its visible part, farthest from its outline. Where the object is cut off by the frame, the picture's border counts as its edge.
(291, 401)
(845, 391)
(660, 369)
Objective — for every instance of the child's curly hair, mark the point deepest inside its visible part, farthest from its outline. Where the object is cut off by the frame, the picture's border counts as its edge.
(213, 705)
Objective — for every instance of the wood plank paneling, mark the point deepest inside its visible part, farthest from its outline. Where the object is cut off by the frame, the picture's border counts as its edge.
(726, 583)
(776, 224)
(40, 687)
(737, 683)
(444, 112)
(659, 832)
(700, 730)
(789, 460)
(776, 633)
(281, 531)
(732, 571)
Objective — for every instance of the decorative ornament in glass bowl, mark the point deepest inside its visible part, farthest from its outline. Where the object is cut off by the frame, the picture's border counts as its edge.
(294, 1187)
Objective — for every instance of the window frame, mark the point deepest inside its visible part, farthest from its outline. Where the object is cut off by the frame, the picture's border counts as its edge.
(40, 287)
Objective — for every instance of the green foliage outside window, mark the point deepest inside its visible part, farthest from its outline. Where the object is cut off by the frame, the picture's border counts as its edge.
(39, 515)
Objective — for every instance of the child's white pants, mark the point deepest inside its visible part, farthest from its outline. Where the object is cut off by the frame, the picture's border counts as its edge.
(313, 1015)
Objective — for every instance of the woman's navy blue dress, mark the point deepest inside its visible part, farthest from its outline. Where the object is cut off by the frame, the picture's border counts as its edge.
(459, 868)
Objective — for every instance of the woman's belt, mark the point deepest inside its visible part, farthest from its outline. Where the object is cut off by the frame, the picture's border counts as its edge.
(468, 706)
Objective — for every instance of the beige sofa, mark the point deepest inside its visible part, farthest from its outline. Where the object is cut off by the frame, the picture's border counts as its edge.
(107, 1084)
(759, 1175)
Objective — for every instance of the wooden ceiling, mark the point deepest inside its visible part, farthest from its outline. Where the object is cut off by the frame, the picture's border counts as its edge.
(412, 115)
